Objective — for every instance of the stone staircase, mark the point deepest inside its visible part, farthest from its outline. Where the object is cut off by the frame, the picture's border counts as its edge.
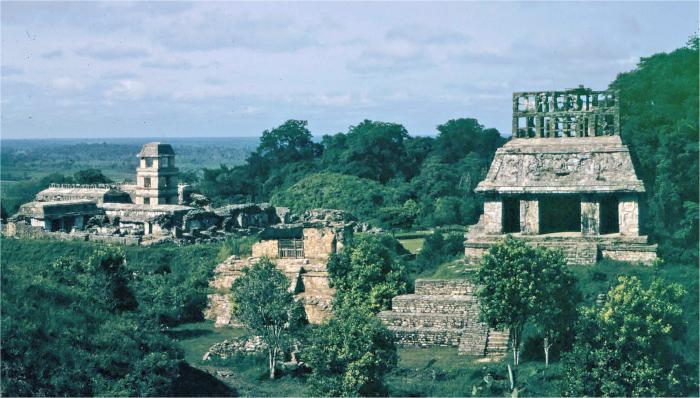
(442, 313)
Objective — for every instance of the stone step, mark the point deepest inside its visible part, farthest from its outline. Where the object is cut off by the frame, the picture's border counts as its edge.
(411, 320)
(426, 337)
(444, 287)
(498, 342)
(423, 304)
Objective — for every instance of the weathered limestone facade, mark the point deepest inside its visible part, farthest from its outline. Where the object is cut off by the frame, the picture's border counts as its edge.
(565, 181)
(157, 176)
(301, 251)
(443, 313)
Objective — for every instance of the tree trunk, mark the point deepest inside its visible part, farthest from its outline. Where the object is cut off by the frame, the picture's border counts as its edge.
(546, 351)
(272, 363)
(515, 344)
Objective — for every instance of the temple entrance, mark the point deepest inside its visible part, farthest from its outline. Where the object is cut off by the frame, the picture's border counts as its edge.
(560, 213)
(609, 220)
(510, 218)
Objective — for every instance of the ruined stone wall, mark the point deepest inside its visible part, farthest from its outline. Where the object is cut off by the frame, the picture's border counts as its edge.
(26, 231)
(319, 243)
(309, 281)
(630, 253)
(266, 248)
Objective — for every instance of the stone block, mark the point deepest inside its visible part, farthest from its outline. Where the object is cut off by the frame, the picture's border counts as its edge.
(529, 217)
(493, 216)
(628, 213)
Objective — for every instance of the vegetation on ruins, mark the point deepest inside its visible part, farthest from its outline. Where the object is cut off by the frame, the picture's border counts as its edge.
(368, 273)
(623, 347)
(265, 306)
(350, 354)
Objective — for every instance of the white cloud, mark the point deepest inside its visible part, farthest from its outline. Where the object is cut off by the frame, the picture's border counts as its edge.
(126, 89)
(67, 84)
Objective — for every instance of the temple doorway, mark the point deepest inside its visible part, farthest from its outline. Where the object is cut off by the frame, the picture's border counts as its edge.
(511, 215)
(609, 217)
(560, 213)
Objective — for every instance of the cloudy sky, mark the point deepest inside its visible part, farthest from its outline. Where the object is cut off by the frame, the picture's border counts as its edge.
(116, 69)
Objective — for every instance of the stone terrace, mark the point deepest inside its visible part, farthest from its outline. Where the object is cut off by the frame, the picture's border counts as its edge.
(442, 313)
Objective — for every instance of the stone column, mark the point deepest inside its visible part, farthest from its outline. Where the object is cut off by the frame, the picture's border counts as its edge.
(590, 216)
(493, 216)
(628, 213)
(529, 216)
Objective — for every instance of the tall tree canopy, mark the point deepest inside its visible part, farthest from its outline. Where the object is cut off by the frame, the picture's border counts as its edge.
(659, 112)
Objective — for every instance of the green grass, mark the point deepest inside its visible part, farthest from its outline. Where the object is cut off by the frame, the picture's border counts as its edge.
(247, 374)
(196, 338)
(412, 245)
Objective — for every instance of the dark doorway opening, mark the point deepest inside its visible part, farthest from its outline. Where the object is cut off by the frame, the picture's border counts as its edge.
(55, 225)
(68, 223)
(510, 218)
(560, 213)
(609, 220)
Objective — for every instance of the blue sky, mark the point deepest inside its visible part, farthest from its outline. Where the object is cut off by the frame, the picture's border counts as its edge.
(118, 69)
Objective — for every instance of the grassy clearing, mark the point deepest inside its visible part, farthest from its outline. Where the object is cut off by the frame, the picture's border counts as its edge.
(246, 374)
(412, 245)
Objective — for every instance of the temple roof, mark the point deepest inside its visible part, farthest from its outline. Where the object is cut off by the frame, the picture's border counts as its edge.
(562, 165)
(59, 208)
(97, 192)
(155, 149)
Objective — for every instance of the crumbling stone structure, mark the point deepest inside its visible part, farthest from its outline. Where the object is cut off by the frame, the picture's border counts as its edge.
(443, 313)
(156, 176)
(300, 250)
(564, 181)
(62, 216)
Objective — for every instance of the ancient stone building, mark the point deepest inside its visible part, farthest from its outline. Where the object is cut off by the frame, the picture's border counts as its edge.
(300, 250)
(62, 216)
(443, 313)
(565, 180)
(156, 176)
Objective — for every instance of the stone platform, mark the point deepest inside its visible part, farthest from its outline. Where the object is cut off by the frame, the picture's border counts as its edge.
(443, 313)
(578, 248)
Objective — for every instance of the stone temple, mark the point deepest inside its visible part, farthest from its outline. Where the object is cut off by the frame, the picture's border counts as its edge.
(565, 180)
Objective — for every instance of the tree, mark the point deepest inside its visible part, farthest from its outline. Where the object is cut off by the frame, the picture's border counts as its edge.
(556, 299)
(367, 273)
(623, 347)
(289, 142)
(512, 279)
(264, 304)
(350, 354)
(373, 150)
(359, 196)
(458, 137)
(90, 176)
(659, 119)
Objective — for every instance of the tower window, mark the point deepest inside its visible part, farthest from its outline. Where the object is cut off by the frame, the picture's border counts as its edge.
(149, 162)
(147, 182)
